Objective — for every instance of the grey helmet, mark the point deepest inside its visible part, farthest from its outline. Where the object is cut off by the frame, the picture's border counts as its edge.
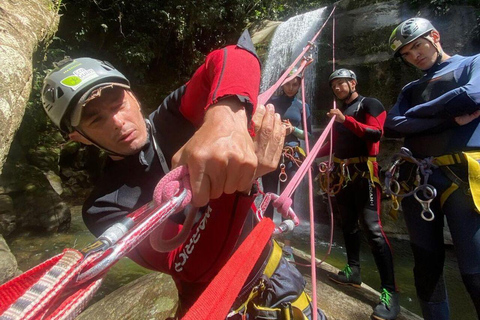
(70, 84)
(408, 31)
(343, 74)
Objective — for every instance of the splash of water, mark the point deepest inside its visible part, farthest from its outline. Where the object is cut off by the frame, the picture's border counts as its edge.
(288, 42)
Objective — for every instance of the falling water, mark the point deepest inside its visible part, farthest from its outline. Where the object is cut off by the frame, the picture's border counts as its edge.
(288, 42)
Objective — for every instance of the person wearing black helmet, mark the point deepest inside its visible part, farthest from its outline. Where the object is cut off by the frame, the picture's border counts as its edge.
(291, 111)
(206, 125)
(439, 117)
(357, 132)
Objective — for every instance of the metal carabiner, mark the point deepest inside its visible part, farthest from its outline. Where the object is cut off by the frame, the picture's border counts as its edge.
(426, 203)
(135, 235)
(323, 167)
(283, 175)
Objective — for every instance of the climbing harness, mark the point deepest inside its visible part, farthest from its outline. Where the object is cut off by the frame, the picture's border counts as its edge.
(253, 300)
(293, 154)
(333, 178)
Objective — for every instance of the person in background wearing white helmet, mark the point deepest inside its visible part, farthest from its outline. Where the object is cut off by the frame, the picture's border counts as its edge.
(356, 143)
(290, 110)
(438, 115)
(206, 125)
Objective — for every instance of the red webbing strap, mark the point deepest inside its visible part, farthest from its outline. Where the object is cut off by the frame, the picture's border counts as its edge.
(76, 300)
(216, 301)
(13, 289)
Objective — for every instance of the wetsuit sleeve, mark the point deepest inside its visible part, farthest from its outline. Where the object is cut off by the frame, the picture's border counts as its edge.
(372, 129)
(459, 101)
(397, 124)
(230, 71)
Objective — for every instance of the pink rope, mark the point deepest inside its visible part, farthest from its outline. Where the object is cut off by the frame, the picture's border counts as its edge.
(171, 183)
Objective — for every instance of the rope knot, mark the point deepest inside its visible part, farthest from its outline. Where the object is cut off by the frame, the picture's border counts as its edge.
(171, 184)
(282, 204)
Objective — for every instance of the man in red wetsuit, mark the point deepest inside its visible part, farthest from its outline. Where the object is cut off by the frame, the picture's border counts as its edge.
(207, 126)
(357, 132)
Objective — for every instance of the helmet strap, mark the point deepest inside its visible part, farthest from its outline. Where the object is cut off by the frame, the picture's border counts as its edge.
(96, 144)
(350, 92)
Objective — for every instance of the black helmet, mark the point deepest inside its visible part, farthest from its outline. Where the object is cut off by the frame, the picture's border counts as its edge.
(408, 31)
(342, 73)
(67, 88)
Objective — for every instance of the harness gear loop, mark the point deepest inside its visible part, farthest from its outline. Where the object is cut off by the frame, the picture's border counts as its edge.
(326, 178)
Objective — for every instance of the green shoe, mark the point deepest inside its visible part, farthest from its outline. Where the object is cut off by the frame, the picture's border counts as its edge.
(388, 308)
(349, 276)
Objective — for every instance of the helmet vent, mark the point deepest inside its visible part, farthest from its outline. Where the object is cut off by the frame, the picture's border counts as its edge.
(59, 93)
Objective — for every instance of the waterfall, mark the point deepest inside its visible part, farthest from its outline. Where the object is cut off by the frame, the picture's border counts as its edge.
(289, 40)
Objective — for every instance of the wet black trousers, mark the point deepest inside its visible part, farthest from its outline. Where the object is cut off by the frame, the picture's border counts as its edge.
(359, 202)
(426, 238)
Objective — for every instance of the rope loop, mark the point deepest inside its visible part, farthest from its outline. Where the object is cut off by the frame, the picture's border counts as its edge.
(171, 184)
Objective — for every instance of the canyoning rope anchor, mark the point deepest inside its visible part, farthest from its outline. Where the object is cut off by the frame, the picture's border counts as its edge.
(130, 237)
(62, 286)
(291, 219)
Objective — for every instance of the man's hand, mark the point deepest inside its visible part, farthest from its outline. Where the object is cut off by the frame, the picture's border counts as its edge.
(221, 154)
(336, 112)
(269, 138)
(467, 118)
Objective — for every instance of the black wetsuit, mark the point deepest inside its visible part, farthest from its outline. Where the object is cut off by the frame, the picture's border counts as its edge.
(359, 137)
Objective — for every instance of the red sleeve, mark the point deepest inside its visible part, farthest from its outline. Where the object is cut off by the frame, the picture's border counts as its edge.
(372, 129)
(230, 71)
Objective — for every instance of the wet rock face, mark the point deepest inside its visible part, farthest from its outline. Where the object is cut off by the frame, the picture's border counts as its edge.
(32, 202)
(153, 296)
(7, 214)
(8, 264)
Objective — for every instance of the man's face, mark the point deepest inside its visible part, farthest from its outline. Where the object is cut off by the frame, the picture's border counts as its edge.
(114, 121)
(420, 53)
(291, 87)
(341, 88)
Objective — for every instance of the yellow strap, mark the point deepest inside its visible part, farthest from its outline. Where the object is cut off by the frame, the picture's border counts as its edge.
(474, 176)
(301, 151)
(370, 162)
(273, 260)
(302, 302)
(448, 159)
(447, 193)
(298, 307)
